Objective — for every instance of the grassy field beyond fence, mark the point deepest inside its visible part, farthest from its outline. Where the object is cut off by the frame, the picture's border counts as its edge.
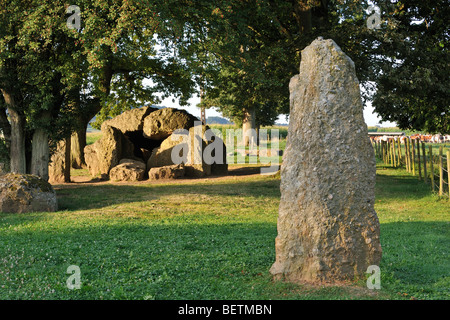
(426, 161)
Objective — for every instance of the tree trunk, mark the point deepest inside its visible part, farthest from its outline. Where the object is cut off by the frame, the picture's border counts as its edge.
(258, 127)
(67, 158)
(40, 153)
(249, 123)
(5, 127)
(303, 16)
(79, 137)
(18, 162)
(78, 143)
(28, 150)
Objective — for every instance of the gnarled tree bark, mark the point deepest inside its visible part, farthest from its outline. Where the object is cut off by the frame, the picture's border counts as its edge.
(17, 146)
(40, 153)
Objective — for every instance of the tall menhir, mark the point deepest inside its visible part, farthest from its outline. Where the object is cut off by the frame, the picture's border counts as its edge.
(328, 230)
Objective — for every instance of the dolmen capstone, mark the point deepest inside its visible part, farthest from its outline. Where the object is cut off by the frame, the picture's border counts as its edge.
(328, 230)
(22, 193)
(141, 139)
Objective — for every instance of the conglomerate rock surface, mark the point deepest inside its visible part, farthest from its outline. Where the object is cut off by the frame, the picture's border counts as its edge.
(328, 229)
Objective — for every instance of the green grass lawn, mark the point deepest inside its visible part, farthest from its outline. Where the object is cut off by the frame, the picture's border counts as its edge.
(214, 239)
(93, 136)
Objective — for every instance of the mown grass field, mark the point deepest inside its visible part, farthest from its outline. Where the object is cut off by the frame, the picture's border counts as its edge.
(208, 239)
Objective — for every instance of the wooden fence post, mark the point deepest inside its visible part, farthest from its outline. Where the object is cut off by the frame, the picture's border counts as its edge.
(399, 149)
(418, 157)
(413, 157)
(386, 153)
(394, 157)
(410, 155)
(394, 160)
(430, 151)
(448, 173)
(441, 172)
(386, 150)
(407, 154)
(425, 178)
(379, 149)
(394, 143)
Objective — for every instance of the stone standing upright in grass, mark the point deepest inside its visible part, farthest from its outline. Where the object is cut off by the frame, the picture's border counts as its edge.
(328, 230)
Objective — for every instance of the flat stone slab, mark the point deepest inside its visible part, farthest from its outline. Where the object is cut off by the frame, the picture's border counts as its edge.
(128, 170)
(167, 172)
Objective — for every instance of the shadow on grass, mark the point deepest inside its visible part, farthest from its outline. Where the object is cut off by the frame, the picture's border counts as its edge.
(99, 196)
(94, 196)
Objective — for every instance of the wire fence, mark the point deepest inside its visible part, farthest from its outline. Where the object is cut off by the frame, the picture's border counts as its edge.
(429, 162)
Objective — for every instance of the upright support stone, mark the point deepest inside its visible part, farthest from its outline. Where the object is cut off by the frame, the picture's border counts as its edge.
(57, 165)
(328, 229)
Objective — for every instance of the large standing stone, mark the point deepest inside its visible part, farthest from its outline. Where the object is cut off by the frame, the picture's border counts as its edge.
(196, 165)
(162, 156)
(328, 229)
(56, 167)
(21, 193)
(191, 148)
(91, 159)
(107, 152)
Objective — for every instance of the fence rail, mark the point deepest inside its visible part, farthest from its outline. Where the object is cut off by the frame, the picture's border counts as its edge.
(433, 169)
